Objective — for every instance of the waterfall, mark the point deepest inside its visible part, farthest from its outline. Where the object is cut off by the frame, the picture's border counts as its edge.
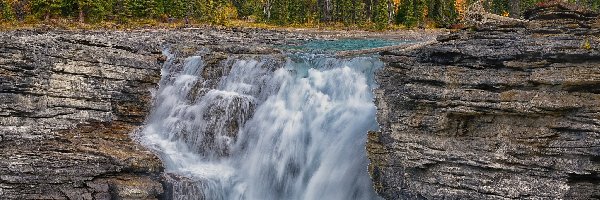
(267, 129)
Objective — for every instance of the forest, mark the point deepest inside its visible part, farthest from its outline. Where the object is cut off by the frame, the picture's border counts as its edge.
(379, 14)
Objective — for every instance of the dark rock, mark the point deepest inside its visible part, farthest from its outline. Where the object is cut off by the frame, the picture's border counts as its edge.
(496, 112)
(69, 102)
(71, 99)
(559, 10)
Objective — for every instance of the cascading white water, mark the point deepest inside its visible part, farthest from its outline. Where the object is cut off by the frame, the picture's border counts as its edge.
(294, 131)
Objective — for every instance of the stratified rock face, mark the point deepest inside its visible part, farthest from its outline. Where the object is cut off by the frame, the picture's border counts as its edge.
(69, 102)
(497, 112)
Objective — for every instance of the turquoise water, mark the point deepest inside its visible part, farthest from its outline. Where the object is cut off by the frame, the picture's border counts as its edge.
(344, 44)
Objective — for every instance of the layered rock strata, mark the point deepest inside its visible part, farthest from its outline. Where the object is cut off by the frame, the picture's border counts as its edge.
(498, 111)
(71, 99)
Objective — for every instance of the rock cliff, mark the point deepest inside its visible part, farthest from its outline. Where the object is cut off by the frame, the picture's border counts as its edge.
(69, 103)
(71, 99)
(498, 111)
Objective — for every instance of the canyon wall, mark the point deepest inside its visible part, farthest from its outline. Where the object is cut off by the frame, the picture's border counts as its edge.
(69, 104)
(497, 111)
(71, 99)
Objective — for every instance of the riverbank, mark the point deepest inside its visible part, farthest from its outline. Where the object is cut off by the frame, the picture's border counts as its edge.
(335, 30)
(304, 33)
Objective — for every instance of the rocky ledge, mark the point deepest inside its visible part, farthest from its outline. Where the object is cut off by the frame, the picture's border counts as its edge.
(499, 111)
(70, 101)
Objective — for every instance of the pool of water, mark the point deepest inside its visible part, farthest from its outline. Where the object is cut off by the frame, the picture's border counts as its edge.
(324, 46)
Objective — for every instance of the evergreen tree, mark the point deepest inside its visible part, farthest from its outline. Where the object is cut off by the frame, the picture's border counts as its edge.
(380, 15)
(442, 12)
(6, 11)
(46, 8)
(409, 13)
(89, 10)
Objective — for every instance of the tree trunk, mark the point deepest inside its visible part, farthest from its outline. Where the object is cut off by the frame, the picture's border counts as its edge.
(354, 10)
(267, 9)
(369, 9)
(391, 10)
(515, 9)
(325, 10)
(20, 10)
(328, 9)
(81, 15)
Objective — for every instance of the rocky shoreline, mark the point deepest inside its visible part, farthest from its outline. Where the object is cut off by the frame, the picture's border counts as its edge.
(499, 111)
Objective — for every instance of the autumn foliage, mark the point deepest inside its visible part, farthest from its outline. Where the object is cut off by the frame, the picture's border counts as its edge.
(376, 13)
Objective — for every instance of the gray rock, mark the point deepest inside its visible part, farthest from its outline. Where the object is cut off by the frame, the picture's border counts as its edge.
(71, 99)
(69, 102)
(501, 111)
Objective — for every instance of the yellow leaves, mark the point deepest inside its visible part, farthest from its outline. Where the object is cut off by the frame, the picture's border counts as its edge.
(460, 6)
(229, 11)
(224, 14)
(586, 44)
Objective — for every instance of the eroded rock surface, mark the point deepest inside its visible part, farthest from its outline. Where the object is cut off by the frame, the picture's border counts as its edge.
(502, 111)
(68, 105)
(71, 99)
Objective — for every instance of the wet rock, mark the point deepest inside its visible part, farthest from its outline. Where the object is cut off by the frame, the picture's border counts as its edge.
(497, 112)
(182, 187)
(71, 99)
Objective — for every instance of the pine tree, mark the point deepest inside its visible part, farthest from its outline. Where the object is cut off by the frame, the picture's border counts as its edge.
(407, 12)
(46, 8)
(88, 10)
(349, 12)
(442, 12)
(6, 11)
(380, 15)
